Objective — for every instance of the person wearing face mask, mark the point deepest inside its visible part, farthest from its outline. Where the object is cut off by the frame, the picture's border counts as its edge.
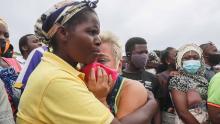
(189, 89)
(9, 67)
(137, 57)
(212, 58)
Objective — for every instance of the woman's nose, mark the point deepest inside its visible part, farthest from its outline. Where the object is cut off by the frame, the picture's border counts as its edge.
(98, 40)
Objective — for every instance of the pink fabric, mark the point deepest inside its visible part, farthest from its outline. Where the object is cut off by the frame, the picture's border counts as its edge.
(14, 63)
(95, 65)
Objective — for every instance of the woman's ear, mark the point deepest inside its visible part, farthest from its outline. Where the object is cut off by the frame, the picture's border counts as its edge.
(24, 48)
(62, 33)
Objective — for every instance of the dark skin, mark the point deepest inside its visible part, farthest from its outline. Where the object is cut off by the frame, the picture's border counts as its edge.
(182, 101)
(32, 43)
(171, 71)
(3, 35)
(138, 49)
(81, 43)
(211, 48)
(214, 114)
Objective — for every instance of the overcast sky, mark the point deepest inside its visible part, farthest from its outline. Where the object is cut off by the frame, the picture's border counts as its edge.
(162, 23)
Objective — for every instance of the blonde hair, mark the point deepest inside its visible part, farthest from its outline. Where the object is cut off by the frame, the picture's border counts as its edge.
(109, 37)
(2, 21)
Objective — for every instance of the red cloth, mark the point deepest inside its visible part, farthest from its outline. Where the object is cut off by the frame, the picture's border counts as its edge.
(14, 63)
(95, 65)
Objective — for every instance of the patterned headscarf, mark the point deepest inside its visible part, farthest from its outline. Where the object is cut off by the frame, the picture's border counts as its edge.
(47, 25)
(153, 58)
(186, 48)
(185, 81)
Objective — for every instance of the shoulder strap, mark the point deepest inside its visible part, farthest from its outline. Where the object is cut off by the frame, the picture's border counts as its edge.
(112, 97)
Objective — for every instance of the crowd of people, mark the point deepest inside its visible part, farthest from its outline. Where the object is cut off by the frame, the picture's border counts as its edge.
(71, 72)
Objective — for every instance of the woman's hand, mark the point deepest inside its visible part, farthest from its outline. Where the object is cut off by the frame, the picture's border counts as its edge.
(100, 85)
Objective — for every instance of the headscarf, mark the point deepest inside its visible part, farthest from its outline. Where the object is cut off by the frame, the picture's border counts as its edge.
(185, 81)
(47, 25)
(6, 44)
(153, 58)
(184, 49)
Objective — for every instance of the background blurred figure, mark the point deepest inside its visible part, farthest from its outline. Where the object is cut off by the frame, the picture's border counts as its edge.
(189, 88)
(211, 57)
(152, 63)
(27, 43)
(168, 59)
(9, 67)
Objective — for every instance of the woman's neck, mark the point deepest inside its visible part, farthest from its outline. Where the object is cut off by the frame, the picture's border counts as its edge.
(66, 58)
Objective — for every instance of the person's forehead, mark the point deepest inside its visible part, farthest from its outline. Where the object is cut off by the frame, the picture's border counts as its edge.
(173, 52)
(31, 37)
(3, 28)
(211, 47)
(191, 53)
(140, 46)
(92, 20)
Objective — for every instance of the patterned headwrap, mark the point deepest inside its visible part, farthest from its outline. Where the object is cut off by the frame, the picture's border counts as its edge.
(153, 58)
(47, 25)
(186, 48)
(6, 44)
(185, 81)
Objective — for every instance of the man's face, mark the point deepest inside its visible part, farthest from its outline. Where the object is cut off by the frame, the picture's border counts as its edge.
(83, 42)
(33, 42)
(139, 56)
(106, 57)
(140, 49)
(172, 57)
(210, 49)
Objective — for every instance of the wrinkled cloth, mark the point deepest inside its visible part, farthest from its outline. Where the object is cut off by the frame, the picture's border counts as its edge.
(200, 114)
(9, 76)
(6, 116)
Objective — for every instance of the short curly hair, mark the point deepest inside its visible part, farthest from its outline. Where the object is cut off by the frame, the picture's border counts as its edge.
(129, 46)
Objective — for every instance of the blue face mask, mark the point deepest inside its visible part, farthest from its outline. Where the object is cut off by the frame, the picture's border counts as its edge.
(191, 66)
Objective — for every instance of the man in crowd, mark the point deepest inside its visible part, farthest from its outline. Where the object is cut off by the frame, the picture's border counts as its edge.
(137, 57)
(211, 57)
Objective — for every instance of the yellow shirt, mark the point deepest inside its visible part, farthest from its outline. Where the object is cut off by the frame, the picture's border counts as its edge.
(56, 94)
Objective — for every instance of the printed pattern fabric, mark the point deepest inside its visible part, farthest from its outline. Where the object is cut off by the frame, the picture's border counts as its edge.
(9, 76)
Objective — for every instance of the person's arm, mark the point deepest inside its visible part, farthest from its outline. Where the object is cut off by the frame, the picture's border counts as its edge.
(133, 96)
(214, 113)
(143, 115)
(180, 104)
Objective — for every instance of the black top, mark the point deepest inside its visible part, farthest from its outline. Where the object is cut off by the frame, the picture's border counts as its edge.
(147, 79)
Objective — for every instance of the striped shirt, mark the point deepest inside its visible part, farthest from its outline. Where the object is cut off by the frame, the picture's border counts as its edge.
(31, 63)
